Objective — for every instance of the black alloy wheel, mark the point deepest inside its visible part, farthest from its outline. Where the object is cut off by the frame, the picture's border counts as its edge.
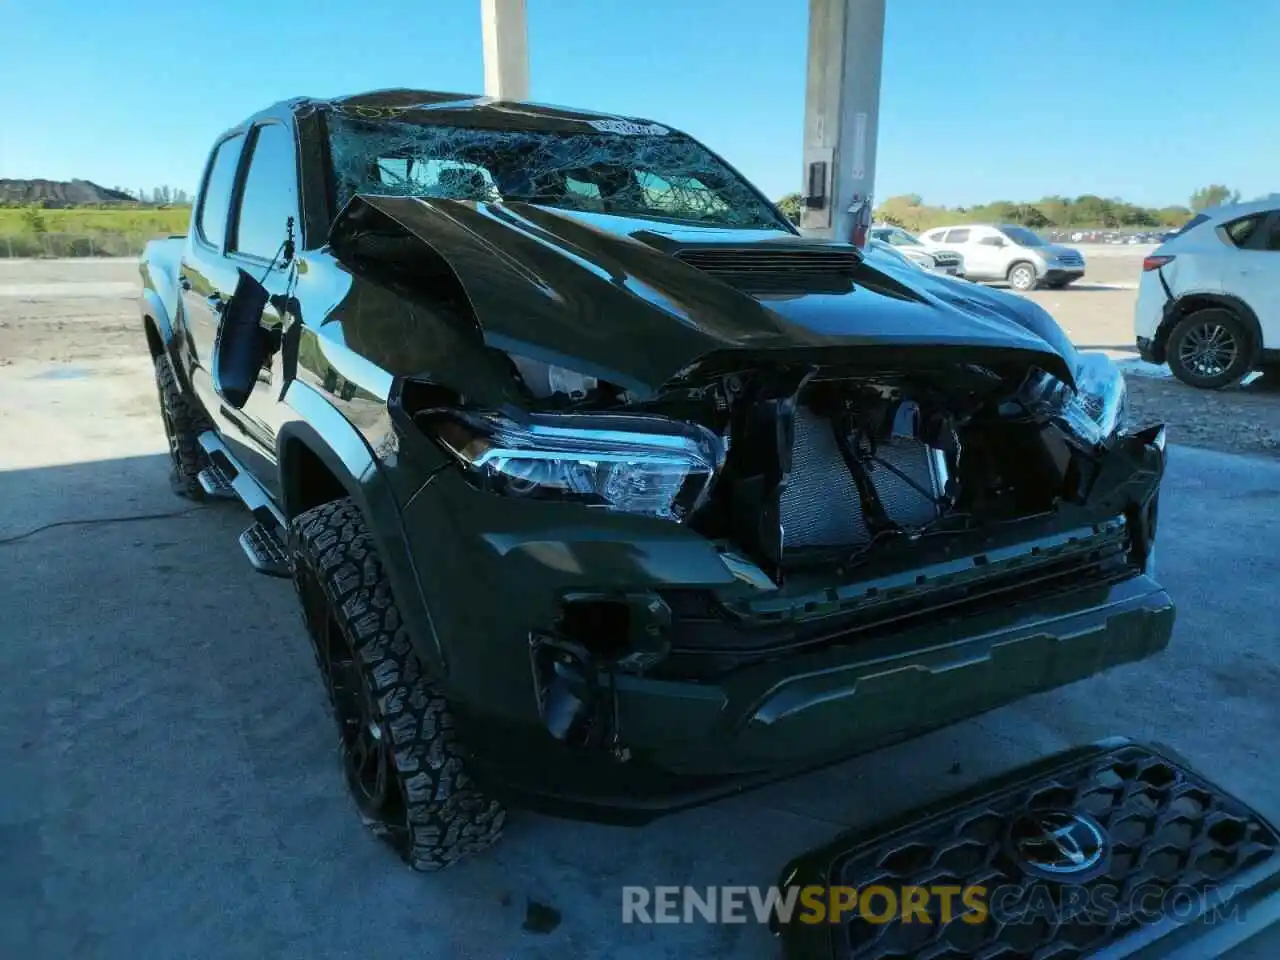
(400, 749)
(367, 759)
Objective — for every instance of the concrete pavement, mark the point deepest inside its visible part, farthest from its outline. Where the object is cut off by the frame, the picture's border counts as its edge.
(171, 788)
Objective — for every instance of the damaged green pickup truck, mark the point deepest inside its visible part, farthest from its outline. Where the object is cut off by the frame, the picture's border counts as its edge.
(605, 490)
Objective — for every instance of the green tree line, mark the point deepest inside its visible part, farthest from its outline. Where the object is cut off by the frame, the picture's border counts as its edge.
(1087, 211)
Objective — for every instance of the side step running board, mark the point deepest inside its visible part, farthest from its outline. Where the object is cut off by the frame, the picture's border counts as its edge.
(215, 483)
(264, 542)
(265, 550)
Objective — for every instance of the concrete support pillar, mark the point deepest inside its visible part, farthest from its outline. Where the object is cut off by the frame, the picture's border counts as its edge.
(505, 25)
(842, 107)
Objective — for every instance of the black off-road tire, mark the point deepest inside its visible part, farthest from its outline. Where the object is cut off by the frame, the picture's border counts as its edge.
(433, 814)
(183, 423)
(1201, 324)
(1022, 276)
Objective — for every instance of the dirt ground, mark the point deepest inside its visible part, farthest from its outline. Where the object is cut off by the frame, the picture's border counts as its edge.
(68, 310)
(75, 311)
(1238, 420)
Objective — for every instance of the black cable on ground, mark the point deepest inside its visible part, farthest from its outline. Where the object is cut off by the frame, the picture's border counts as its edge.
(92, 522)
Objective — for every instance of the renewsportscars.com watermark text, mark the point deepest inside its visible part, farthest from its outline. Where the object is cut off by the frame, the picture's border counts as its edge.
(1013, 904)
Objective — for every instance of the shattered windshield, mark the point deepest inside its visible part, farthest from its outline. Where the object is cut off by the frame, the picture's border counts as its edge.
(661, 175)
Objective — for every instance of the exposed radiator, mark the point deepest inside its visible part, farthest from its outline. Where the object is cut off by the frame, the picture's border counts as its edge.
(820, 506)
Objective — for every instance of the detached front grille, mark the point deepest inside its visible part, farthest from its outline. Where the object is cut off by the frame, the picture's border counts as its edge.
(1164, 829)
(777, 269)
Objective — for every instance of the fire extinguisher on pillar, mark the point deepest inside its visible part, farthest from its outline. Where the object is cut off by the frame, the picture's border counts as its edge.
(861, 225)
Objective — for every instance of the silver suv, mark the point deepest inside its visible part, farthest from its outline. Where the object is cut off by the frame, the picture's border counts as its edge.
(946, 262)
(1008, 252)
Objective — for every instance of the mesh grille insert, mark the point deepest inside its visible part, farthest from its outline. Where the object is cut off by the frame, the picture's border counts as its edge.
(1167, 830)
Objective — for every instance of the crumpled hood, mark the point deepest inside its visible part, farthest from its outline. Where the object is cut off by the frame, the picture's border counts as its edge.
(604, 295)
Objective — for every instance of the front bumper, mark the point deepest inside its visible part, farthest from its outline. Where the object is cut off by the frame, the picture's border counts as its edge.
(771, 681)
(691, 743)
(1062, 274)
(1183, 868)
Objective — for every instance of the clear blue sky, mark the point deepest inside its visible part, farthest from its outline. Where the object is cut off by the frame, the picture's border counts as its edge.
(981, 100)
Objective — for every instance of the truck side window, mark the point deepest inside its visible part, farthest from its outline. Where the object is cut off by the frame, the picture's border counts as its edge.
(215, 196)
(270, 194)
(1273, 239)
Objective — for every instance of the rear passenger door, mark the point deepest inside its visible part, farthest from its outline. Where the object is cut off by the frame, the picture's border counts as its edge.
(205, 275)
(958, 239)
(986, 254)
(1253, 273)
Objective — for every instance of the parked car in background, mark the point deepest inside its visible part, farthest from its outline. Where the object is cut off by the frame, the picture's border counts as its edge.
(1209, 297)
(947, 262)
(1010, 253)
(880, 252)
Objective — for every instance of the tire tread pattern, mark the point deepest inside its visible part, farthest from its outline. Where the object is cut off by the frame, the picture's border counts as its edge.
(449, 818)
(184, 421)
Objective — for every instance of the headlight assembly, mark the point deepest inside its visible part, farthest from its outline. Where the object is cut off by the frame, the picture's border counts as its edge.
(627, 463)
(1092, 414)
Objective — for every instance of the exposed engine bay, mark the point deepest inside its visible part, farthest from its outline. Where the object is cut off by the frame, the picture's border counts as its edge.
(861, 475)
(802, 443)
(815, 466)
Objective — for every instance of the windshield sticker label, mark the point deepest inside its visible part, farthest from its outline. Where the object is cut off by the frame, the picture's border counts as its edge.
(628, 128)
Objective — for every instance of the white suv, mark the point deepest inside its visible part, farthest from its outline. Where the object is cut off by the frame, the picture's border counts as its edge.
(1209, 298)
(1008, 252)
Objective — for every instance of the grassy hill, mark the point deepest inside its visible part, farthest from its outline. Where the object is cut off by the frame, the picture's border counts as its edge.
(58, 193)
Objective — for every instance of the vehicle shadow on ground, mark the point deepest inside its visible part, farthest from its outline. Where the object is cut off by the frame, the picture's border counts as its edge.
(173, 717)
(1085, 286)
(174, 779)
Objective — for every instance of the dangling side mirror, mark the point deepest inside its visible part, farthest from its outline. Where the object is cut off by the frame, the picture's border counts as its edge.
(241, 343)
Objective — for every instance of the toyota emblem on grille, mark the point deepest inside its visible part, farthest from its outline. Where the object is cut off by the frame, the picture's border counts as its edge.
(1058, 845)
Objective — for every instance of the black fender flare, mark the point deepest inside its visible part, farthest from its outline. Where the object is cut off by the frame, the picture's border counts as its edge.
(153, 309)
(1188, 303)
(322, 431)
(154, 314)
